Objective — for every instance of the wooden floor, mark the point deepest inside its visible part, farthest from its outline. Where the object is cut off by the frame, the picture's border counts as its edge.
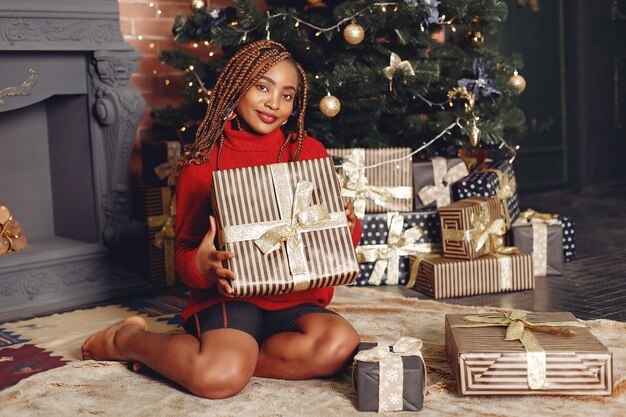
(593, 285)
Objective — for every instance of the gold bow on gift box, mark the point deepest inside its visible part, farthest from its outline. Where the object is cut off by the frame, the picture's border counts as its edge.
(539, 223)
(391, 370)
(164, 239)
(387, 256)
(443, 179)
(506, 190)
(518, 328)
(11, 237)
(297, 215)
(163, 170)
(355, 185)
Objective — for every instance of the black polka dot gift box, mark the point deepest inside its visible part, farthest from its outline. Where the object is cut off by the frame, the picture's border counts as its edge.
(495, 179)
(387, 241)
(569, 244)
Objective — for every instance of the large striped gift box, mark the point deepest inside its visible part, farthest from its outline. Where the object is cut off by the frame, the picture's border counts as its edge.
(469, 226)
(286, 225)
(375, 180)
(561, 357)
(442, 277)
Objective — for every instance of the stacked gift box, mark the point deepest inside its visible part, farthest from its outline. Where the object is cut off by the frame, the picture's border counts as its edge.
(155, 208)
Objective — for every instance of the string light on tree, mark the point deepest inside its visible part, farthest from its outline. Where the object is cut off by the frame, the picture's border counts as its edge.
(517, 81)
(354, 33)
(198, 4)
(474, 38)
(330, 105)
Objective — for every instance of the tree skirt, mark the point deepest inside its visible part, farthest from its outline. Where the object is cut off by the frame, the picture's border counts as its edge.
(87, 388)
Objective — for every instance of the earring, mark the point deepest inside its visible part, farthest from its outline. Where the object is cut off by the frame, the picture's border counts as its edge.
(231, 116)
(285, 122)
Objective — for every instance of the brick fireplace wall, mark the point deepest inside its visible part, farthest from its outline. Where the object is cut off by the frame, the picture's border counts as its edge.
(147, 26)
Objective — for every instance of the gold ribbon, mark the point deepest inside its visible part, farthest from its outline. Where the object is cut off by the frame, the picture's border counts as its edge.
(483, 231)
(163, 170)
(506, 190)
(539, 223)
(355, 185)
(397, 64)
(443, 179)
(297, 215)
(387, 256)
(391, 370)
(518, 328)
(164, 239)
(416, 261)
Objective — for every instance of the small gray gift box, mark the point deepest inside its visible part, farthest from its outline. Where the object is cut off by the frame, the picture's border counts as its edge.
(432, 180)
(407, 386)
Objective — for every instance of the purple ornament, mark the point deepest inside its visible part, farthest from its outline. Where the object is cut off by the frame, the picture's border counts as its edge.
(482, 86)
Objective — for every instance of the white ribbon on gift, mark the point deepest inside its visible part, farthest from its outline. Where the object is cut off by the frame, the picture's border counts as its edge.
(391, 370)
(539, 223)
(443, 179)
(355, 185)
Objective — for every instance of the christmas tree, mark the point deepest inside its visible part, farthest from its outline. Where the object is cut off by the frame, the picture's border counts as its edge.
(402, 73)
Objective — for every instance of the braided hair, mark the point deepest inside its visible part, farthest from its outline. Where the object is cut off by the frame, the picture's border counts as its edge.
(242, 71)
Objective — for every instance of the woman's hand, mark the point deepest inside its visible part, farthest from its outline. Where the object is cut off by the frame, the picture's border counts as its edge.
(350, 215)
(209, 262)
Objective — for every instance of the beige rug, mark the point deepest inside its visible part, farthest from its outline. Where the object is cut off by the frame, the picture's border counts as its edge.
(109, 389)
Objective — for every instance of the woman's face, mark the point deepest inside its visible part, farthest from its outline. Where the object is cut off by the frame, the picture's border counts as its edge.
(269, 102)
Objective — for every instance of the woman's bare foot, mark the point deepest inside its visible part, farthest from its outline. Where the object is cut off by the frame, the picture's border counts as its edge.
(103, 346)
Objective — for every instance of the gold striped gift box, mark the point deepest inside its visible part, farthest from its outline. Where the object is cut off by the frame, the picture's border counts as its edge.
(464, 222)
(566, 360)
(442, 277)
(386, 172)
(286, 225)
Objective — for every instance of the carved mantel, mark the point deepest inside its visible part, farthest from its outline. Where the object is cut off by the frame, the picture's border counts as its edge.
(87, 31)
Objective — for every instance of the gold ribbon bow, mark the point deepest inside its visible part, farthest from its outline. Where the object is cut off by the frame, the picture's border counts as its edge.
(539, 223)
(355, 185)
(396, 64)
(506, 190)
(163, 170)
(483, 231)
(387, 256)
(443, 179)
(164, 239)
(518, 328)
(11, 237)
(391, 370)
(297, 215)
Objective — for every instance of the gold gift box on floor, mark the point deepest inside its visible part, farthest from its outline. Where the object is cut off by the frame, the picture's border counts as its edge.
(556, 355)
(470, 227)
(442, 277)
(286, 225)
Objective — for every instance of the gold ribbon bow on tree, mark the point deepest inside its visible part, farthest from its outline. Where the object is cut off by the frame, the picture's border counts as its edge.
(396, 64)
(518, 328)
(391, 370)
(297, 215)
(539, 223)
(11, 237)
(506, 190)
(164, 239)
(355, 185)
(443, 179)
(163, 170)
(387, 256)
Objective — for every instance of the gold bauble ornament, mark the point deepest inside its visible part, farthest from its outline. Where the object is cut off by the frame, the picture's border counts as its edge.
(475, 38)
(474, 134)
(198, 4)
(330, 106)
(354, 33)
(518, 82)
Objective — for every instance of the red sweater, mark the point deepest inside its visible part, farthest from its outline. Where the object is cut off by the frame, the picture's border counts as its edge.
(193, 205)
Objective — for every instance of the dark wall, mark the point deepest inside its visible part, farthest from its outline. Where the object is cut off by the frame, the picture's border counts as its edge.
(575, 101)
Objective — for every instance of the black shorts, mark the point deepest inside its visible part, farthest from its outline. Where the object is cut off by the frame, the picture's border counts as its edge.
(249, 318)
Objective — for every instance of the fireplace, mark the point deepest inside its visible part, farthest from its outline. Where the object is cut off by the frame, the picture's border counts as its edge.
(67, 123)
